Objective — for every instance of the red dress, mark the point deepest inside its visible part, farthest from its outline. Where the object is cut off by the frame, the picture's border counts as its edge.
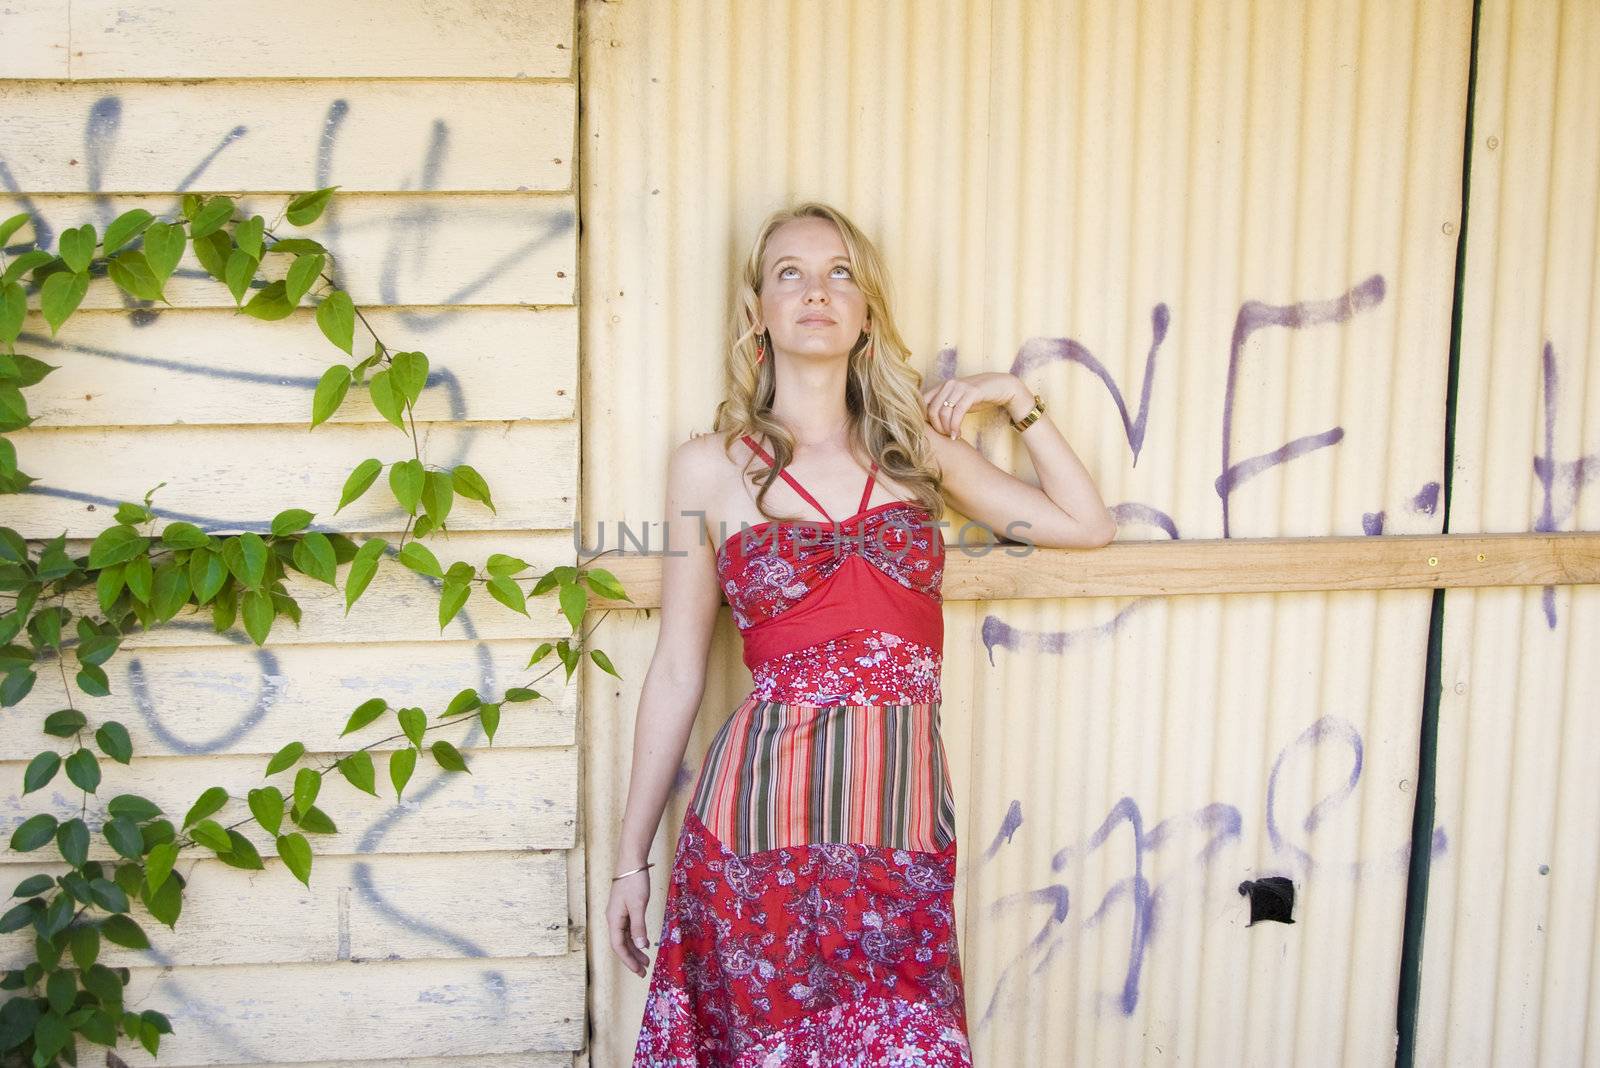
(810, 908)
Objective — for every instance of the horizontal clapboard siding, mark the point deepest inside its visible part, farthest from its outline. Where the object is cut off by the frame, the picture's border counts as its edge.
(228, 135)
(446, 929)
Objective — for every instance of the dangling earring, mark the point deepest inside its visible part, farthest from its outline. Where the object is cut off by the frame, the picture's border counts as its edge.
(872, 349)
(761, 347)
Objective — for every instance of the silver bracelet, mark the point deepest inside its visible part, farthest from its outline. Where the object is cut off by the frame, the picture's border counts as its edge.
(633, 871)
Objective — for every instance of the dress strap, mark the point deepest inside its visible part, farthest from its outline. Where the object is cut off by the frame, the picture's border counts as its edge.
(866, 494)
(748, 440)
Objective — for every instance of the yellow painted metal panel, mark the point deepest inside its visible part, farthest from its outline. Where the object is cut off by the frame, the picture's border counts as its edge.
(1510, 957)
(1219, 240)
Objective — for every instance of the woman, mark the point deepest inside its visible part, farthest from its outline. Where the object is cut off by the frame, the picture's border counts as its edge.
(809, 913)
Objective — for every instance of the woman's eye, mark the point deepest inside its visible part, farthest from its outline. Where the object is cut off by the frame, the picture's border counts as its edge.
(784, 271)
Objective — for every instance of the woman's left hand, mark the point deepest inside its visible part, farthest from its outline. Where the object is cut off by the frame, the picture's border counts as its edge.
(950, 401)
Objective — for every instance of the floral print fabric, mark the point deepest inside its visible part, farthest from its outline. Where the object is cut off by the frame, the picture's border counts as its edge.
(816, 955)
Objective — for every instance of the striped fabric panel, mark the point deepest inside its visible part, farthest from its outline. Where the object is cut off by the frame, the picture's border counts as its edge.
(784, 774)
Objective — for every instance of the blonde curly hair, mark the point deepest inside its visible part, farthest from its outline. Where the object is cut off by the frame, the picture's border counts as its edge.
(882, 392)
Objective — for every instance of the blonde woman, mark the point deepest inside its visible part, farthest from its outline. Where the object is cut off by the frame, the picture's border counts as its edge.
(809, 910)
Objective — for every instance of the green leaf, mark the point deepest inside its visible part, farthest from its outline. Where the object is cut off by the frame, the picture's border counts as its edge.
(247, 235)
(127, 226)
(314, 555)
(213, 250)
(41, 769)
(239, 271)
(508, 593)
(124, 932)
(521, 693)
(291, 521)
(83, 768)
(208, 803)
(134, 807)
(296, 854)
(65, 723)
(413, 722)
(166, 901)
(437, 496)
(409, 370)
(270, 303)
(12, 225)
(92, 681)
(215, 212)
(159, 866)
(13, 309)
(603, 661)
(386, 399)
(182, 535)
(207, 573)
(490, 716)
(313, 820)
(77, 247)
(365, 713)
(574, 600)
(124, 836)
(470, 484)
(33, 832)
(225, 607)
(242, 852)
(307, 783)
(259, 614)
(171, 590)
(465, 701)
(24, 263)
(451, 600)
(402, 762)
(297, 246)
(113, 740)
(406, 479)
(140, 575)
(303, 274)
(420, 558)
(266, 805)
(15, 686)
(605, 584)
(360, 480)
(60, 297)
(211, 834)
(72, 838)
(362, 568)
(131, 272)
(115, 545)
(449, 757)
(85, 945)
(500, 564)
(163, 249)
(357, 768)
(331, 390)
(253, 554)
(305, 208)
(336, 317)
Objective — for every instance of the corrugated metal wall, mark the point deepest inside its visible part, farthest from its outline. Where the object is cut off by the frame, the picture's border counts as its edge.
(1511, 968)
(440, 931)
(1220, 240)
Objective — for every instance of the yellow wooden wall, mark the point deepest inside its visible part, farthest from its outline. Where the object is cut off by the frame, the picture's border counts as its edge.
(447, 929)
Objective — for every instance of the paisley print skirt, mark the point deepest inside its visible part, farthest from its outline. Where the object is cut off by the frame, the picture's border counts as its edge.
(809, 912)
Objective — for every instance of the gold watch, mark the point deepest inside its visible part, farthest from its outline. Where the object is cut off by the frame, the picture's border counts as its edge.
(1026, 421)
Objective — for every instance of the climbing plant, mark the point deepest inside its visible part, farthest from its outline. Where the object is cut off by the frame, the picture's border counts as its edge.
(141, 573)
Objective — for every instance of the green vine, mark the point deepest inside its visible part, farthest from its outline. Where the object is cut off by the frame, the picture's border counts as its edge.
(135, 575)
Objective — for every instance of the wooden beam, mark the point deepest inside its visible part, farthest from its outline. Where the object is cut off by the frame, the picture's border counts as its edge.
(1225, 565)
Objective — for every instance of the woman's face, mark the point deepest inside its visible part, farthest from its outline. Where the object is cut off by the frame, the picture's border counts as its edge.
(810, 302)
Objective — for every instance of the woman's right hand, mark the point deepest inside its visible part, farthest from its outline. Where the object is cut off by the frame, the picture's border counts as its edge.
(625, 920)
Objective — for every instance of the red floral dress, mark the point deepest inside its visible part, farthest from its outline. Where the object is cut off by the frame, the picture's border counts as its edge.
(810, 908)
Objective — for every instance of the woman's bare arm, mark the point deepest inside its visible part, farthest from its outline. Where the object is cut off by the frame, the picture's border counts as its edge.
(675, 680)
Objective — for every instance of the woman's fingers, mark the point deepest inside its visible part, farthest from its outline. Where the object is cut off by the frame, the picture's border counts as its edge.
(620, 925)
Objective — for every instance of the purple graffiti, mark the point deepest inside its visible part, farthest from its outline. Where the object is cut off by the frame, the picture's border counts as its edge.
(1572, 475)
(1253, 316)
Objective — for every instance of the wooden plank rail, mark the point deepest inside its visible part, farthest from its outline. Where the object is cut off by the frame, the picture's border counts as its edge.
(1225, 565)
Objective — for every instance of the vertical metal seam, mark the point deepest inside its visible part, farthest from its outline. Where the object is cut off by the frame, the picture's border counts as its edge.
(1422, 824)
